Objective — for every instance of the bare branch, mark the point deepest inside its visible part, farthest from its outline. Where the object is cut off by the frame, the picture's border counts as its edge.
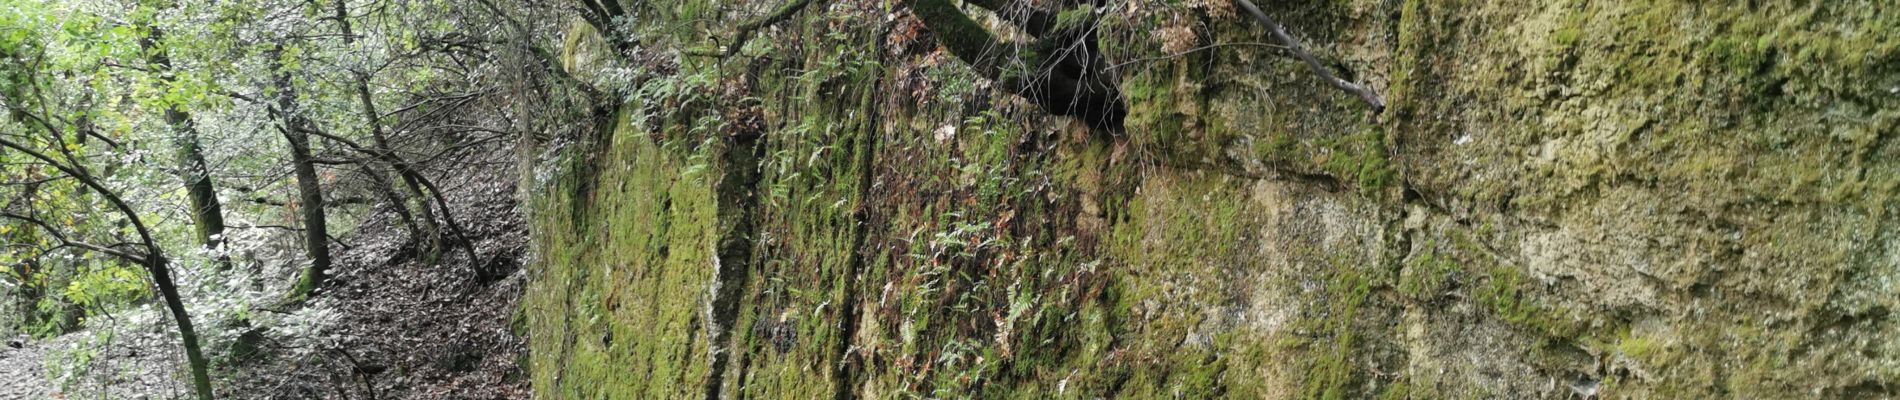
(33, 181)
(65, 242)
(1279, 32)
(145, 234)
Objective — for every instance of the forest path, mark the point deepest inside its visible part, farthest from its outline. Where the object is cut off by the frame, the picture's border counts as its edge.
(131, 366)
(22, 371)
(432, 331)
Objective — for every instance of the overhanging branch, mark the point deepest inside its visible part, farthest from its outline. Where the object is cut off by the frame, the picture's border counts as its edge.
(145, 233)
(64, 242)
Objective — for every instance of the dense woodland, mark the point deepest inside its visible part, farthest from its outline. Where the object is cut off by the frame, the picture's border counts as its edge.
(210, 159)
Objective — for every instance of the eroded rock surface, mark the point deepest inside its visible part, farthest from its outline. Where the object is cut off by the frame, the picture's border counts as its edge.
(1614, 199)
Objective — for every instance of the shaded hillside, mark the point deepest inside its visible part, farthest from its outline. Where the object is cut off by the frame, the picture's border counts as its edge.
(406, 329)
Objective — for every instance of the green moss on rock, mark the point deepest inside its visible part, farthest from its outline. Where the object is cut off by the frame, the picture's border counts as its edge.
(1612, 199)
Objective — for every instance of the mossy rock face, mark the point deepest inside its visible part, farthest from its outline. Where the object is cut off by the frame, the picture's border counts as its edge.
(622, 276)
(1612, 199)
(1698, 183)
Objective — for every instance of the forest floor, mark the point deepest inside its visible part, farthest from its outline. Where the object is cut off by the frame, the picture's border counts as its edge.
(21, 370)
(412, 330)
(406, 329)
(130, 365)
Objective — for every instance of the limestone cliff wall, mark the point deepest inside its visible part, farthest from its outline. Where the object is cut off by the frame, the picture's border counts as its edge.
(1648, 199)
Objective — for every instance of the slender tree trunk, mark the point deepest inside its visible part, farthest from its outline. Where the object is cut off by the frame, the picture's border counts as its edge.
(200, 366)
(296, 130)
(30, 292)
(316, 233)
(431, 236)
(28, 272)
(207, 214)
(395, 199)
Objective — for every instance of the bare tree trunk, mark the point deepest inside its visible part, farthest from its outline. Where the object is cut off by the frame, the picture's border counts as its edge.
(431, 238)
(207, 214)
(200, 366)
(396, 200)
(296, 130)
(28, 272)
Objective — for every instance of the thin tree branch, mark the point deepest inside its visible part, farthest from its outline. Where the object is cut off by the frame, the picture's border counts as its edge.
(64, 242)
(109, 142)
(145, 233)
(33, 182)
(455, 128)
(428, 101)
(1279, 32)
(541, 55)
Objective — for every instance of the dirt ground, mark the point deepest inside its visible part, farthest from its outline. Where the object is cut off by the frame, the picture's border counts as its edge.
(411, 330)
